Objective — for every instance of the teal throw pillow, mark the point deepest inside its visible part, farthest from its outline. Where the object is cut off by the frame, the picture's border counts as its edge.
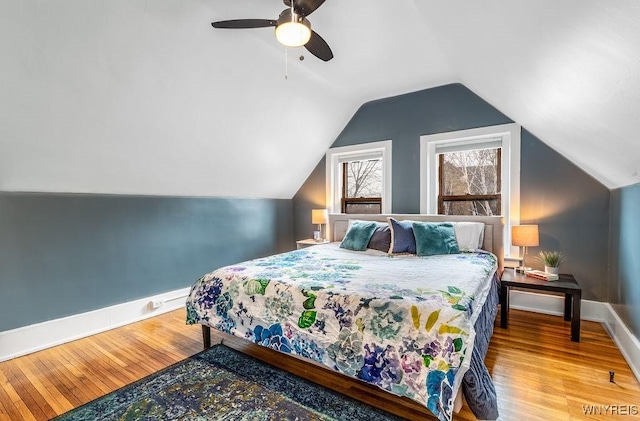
(435, 238)
(358, 236)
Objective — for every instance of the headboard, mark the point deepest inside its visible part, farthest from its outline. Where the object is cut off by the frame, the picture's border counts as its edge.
(493, 227)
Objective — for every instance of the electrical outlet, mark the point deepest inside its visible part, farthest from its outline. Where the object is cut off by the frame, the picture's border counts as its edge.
(154, 304)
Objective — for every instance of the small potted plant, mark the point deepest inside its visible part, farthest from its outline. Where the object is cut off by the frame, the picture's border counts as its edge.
(551, 260)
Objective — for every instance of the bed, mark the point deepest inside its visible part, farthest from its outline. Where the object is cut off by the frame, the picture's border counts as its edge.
(414, 326)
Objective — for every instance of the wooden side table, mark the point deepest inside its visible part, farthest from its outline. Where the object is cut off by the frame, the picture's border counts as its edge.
(566, 285)
(300, 244)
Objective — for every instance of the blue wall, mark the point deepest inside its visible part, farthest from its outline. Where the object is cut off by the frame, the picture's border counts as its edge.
(404, 118)
(624, 287)
(571, 208)
(63, 254)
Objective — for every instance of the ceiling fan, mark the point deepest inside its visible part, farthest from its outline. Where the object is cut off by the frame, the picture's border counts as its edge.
(293, 29)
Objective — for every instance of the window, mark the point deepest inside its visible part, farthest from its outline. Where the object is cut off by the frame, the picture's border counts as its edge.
(359, 178)
(362, 186)
(473, 172)
(469, 182)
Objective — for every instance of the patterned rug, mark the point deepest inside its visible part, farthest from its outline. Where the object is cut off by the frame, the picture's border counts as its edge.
(223, 384)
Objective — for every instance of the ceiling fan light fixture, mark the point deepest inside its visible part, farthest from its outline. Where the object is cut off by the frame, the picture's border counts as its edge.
(293, 34)
(293, 30)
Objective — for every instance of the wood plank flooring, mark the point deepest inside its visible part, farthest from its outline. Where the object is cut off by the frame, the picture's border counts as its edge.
(538, 372)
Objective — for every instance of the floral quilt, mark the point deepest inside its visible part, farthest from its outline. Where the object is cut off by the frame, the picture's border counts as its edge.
(403, 323)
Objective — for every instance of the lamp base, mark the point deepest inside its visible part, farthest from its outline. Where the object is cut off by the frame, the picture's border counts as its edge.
(522, 269)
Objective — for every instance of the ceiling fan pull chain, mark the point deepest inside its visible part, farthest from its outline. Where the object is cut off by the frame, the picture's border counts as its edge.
(286, 63)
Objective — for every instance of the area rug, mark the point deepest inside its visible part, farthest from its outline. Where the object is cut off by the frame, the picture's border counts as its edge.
(223, 384)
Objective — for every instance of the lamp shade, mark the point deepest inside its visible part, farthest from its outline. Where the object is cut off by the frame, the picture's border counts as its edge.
(319, 216)
(525, 235)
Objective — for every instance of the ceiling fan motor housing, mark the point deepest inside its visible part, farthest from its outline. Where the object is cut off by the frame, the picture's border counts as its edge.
(287, 16)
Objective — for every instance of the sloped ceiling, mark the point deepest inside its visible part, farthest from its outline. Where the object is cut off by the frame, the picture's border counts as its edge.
(144, 97)
(568, 71)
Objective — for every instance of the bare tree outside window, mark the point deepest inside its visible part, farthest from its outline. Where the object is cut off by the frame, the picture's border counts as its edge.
(362, 186)
(470, 182)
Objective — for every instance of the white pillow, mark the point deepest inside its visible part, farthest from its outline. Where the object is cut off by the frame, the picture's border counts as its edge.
(351, 222)
(470, 235)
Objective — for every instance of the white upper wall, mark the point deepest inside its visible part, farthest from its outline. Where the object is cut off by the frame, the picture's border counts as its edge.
(145, 97)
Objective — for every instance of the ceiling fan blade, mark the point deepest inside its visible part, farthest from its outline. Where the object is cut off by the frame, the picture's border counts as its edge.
(319, 47)
(304, 7)
(244, 23)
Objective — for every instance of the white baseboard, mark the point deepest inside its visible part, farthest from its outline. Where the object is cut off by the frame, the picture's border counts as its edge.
(28, 339)
(626, 341)
(594, 311)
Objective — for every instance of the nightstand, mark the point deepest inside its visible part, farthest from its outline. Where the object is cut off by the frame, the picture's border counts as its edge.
(566, 285)
(300, 244)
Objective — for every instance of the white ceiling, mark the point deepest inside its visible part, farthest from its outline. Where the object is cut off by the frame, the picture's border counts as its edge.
(144, 97)
(568, 71)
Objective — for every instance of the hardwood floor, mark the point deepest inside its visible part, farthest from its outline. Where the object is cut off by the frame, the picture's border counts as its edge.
(538, 372)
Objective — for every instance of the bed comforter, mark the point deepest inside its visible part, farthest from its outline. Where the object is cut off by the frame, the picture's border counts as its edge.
(403, 323)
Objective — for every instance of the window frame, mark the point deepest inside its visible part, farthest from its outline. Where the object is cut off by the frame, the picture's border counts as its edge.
(508, 135)
(335, 157)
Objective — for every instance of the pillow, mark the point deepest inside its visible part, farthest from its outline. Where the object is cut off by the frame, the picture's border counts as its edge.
(469, 235)
(381, 238)
(435, 238)
(353, 221)
(402, 240)
(358, 236)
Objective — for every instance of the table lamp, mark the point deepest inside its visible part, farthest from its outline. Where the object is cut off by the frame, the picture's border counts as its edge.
(320, 217)
(524, 236)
